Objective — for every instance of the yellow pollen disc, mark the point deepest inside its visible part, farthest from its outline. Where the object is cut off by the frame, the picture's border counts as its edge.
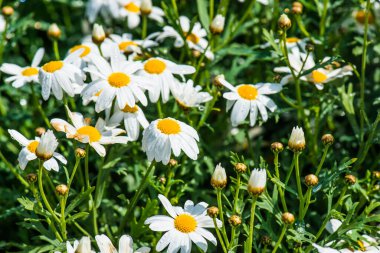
(318, 76)
(248, 92)
(132, 7)
(118, 79)
(129, 109)
(292, 40)
(360, 17)
(193, 38)
(32, 146)
(85, 52)
(30, 71)
(92, 133)
(52, 66)
(125, 44)
(155, 66)
(168, 126)
(185, 223)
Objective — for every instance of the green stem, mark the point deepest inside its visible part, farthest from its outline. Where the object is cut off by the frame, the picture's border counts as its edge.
(62, 202)
(290, 171)
(39, 107)
(209, 107)
(219, 236)
(168, 181)
(236, 198)
(144, 26)
(299, 186)
(13, 170)
(307, 203)
(159, 109)
(322, 23)
(322, 159)
(251, 224)
(278, 243)
(211, 10)
(280, 189)
(56, 50)
(77, 161)
(91, 205)
(221, 214)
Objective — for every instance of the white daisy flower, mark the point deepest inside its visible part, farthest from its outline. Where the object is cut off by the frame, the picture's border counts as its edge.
(133, 117)
(125, 245)
(189, 96)
(43, 148)
(318, 77)
(126, 44)
(82, 246)
(56, 76)
(164, 135)
(96, 136)
(106, 8)
(118, 80)
(183, 226)
(87, 49)
(160, 73)
(22, 75)
(257, 181)
(249, 99)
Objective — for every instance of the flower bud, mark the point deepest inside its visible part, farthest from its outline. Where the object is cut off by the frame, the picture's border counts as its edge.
(234, 220)
(54, 32)
(212, 211)
(297, 141)
(284, 23)
(350, 179)
(173, 162)
(31, 178)
(196, 53)
(297, 8)
(79, 152)
(87, 121)
(309, 47)
(287, 218)
(219, 177)
(266, 240)
(327, 139)
(311, 180)
(217, 25)
(98, 34)
(257, 182)
(277, 147)
(40, 131)
(46, 146)
(376, 174)
(146, 7)
(240, 168)
(62, 189)
(217, 81)
(7, 11)
(162, 180)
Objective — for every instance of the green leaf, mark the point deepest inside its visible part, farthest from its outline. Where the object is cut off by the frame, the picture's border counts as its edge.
(77, 216)
(203, 15)
(27, 203)
(78, 200)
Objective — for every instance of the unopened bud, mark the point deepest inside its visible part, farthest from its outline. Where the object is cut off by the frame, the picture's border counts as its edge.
(350, 179)
(213, 211)
(7, 11)
(376, 174)
(217, 81)
(284, 23)
(217, 25)
(219, 177)
(54, 32)
(297, 141)
(79, 152)
(235, 220)
(309, 47)
(146, 7)
(31, 178)
(287, 218)
(173, 162)
(277, 147)
(266, 240)
(297, 8)
(240, 167)
(40, 131)
(61, 189)
(311, 180)
(162, 180)
(257, 182)
(87, 121)
(327, 139)
(98, 34)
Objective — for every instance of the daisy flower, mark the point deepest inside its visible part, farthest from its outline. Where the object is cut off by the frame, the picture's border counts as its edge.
(189, 96)
(319, 77)
(125, 245)
(56, 76)
(96, 136)
(43, 148)
(86, 49)
(133, 117)
(164, 135)
(22, 75)
(183, 226)
(84, 245)
(118, 80)
(160, 73)
(126, 44)
(249, 99)
(105, 8)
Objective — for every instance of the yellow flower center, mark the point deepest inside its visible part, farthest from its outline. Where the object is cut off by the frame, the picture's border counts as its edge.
(185, 223)
(292, 40)
(248, 92)
(360, 17)
(192, 37)
(318, 76)
(30, 71)
(125, 44)
(168, 126)
(32, 146)
(85, 52)
(92, 133)
(52, 66)
(118, 80)
(132, 7)
(129, 109)
(154, 66)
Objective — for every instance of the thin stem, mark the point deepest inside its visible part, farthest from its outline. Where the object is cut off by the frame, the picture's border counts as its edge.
(307, 203)
(92, 205)
(62, 202)
(322, 159)
(298, 179)
(211, 10)
(159, 109)
(209, 107)
(77, 161)
(236, 198)
(280, 189)
(221, 214)
(13, 170)
(251, 224)
(38, 105)
(278, 243)
(56, 50)
(169, 179)
(144, 26)
(219, 236)
(322, 23)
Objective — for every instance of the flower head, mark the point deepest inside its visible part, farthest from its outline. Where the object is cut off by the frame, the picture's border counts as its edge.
(217, 24)
(125, 245)
(257, 181)
(189, 96)
(297, 141)
(219, 177)
(98, 34)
